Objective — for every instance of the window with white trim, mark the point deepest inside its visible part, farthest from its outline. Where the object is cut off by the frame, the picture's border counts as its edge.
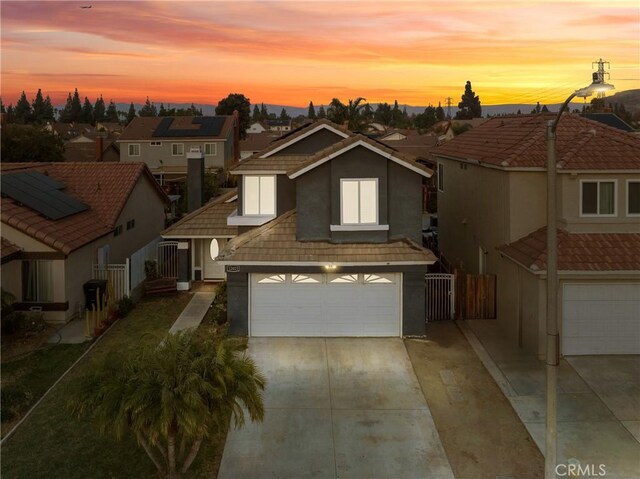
(134, 149)
(37, 281)
(597, 198)
(306, 278)
(359, 201)
(272, 279)
(155, 143)
(344, 278)
(259, 195)
(440, 174)
(210, 149)
(633, 198)
(177, 149)
(380, 278)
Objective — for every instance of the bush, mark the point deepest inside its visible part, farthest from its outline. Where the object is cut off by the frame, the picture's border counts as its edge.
(125, 305)
(151, 269)
(219, 305)
(12, 399)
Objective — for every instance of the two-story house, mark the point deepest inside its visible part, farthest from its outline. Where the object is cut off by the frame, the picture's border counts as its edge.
(59, 219)
(162, 143)
(329, 239)
(492, 214)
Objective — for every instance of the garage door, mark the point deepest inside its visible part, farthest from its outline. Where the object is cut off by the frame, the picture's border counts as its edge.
(325, 304)
(601, 319)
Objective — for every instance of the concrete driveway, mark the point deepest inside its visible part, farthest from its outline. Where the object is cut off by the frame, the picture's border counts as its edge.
(337, 408)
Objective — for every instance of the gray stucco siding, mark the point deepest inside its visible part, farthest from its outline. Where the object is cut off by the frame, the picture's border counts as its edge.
(313, 192)
(413, 304)
(405, 203)
(312, 144)
(285, 194)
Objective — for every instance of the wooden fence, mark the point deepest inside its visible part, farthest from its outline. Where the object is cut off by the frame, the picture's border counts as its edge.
(475, 296)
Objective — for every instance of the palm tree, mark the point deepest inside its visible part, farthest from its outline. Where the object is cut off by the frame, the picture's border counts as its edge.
(352, 113)
(173, 396)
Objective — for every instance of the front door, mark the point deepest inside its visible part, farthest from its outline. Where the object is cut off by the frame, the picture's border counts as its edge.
(210, 249)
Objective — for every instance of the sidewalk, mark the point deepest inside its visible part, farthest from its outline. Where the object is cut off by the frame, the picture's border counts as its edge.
(588, 430)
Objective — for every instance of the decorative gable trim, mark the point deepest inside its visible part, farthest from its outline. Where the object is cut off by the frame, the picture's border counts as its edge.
(364, 144)
(305, 135)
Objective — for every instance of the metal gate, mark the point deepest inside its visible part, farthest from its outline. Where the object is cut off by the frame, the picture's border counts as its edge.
(167, 258)
(440, 296)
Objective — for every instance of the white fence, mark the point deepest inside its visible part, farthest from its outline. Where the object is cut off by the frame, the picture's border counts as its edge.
(117, 275)
(440, 296)
(147, 252)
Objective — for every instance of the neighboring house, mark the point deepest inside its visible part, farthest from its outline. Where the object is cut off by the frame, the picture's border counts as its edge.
(99, 149)
(329, 240)
(58, 219)
(610, 119)
(279, 125)
(492, 213)
(443, 131)
(162, 143)
(257, 127)
(255, 143)
(71, 131)
(394, 135)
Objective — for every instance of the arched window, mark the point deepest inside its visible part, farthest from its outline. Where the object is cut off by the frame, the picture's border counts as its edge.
(214, 249)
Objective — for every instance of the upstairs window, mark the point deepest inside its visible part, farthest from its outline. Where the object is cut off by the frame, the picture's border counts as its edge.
(134, 149)
(359, 201)
(155, 143)
(177, 149)
(210, 149)
(259, 195)
(633, 198)
(597, 198)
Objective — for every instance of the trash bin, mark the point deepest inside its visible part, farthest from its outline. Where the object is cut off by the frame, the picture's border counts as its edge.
(91, 291)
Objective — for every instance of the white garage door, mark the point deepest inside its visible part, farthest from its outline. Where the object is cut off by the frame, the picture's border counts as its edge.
(601, 319)
(325, 304)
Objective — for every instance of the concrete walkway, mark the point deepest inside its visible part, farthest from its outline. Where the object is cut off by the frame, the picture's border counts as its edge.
(74, 332)
(589, 428)
(195, 311)
(336, 408)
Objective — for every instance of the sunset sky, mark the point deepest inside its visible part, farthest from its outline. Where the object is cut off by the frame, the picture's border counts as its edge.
(513, 51)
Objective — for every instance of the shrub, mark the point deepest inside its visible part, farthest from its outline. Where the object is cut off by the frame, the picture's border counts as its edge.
(125, 305)
(151, 269)
(12, 399)
(219, 305)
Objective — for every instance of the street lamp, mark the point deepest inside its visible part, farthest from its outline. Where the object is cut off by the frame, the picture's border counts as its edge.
(553, 346)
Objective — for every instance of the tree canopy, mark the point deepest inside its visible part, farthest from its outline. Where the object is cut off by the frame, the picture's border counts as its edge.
(236, 101)
(173, 396)
(27, 143)
(311, 114)
(469, 107)
(148, 109)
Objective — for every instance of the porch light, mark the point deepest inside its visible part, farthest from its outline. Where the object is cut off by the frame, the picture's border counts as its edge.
(330, 267)
(553, 339)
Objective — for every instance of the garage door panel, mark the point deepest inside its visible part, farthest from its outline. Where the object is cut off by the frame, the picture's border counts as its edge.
(290, 308)
(601, 319)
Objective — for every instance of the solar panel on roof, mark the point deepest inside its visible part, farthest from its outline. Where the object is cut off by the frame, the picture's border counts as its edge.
(209, 126)
(40, 193)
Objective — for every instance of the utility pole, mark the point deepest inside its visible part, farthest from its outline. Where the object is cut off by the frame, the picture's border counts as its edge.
(601, 73)
(448, 101)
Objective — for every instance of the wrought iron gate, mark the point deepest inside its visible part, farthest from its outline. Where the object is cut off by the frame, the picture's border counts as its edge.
(167, 258)
(440, 296)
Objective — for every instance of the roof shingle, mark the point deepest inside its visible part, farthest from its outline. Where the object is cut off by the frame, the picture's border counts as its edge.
(209, 220)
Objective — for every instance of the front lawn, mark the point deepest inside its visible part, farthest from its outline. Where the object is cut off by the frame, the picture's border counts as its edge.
(51, 443)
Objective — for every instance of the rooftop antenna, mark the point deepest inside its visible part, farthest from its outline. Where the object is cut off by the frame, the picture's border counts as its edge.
(601, 73)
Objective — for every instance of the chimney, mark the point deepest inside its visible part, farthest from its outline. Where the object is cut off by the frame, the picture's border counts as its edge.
(99, 147)
(195, 179)
(236, 136)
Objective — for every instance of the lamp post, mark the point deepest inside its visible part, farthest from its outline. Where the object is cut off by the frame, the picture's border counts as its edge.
(553, 341)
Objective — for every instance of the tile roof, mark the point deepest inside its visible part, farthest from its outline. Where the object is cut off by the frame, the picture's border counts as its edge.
(104, 187)
(142, 128)
(415, 145)
(86, 151)
(322, 154)
(272, 163)
(578, 251)
(520, 141)
(258, 141)
(275, 242)
(210, 220)
(9, 250)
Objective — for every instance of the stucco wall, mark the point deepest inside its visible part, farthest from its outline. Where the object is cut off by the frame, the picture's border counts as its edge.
(313, 191)
(238, 303)
(152, 155)
(413, 304)
(307, 146)
(570, 206)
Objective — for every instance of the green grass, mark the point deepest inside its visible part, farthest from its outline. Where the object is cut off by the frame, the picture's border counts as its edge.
(26, 379)
(53, 444)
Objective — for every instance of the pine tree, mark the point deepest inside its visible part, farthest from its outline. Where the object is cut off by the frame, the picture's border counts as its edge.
(87, 111)
(149, 109)
(22, 110)
(469, 107)
(264, 114)
(321, 113)
(11, 114)
(38, 108)
(99, 110)
(162, 111)
(2, 110)
(312, 112)
(76, 107)
(131, 114)
(112, 113)
(284, 116)
(48, 113)
(544, 109)
(440, 112)
(65, 114)
(256, 113)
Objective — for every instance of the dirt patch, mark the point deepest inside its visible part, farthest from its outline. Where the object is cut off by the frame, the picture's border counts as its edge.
(480, 431)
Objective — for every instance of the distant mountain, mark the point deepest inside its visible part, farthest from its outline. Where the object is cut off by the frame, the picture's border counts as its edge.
(630, 99)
